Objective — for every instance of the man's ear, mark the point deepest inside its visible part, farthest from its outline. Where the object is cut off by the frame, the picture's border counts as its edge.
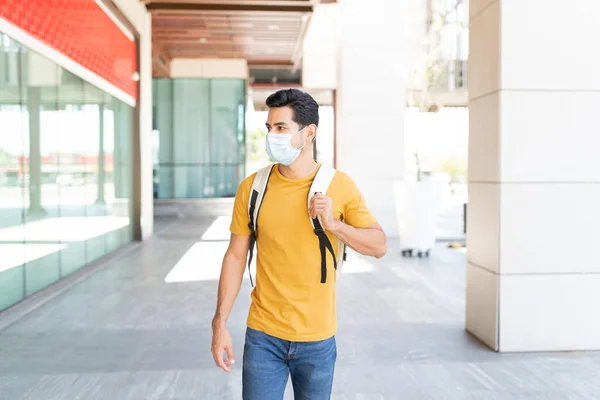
(312, 132)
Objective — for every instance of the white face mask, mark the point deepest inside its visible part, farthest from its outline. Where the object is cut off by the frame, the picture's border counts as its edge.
(281, 149)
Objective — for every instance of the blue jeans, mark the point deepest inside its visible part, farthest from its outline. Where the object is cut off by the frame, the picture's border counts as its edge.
(269, 361)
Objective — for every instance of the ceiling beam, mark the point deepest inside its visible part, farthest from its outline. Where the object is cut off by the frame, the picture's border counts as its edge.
(297, 55)
(275, 86)
(161, 61)
(165, 6)
(270, 63)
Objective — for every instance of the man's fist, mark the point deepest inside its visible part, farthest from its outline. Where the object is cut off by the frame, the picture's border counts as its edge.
(322, 206)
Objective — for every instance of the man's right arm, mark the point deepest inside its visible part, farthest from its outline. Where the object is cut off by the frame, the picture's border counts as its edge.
(232, 273)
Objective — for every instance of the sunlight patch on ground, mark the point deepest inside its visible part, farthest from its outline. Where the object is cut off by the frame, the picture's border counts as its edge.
(202, 262)
(356, 264)
(14, 255)
(218, 230)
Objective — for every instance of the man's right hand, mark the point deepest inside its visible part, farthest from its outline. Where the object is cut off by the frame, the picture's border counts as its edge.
(232, 274)
(221, 343)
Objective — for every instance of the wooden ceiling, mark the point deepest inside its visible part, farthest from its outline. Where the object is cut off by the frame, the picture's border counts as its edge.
(267, 32)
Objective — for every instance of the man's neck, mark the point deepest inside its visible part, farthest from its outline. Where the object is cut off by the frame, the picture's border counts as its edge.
(301, 168)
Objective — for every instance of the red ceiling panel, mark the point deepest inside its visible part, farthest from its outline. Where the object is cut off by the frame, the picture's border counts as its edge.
(82, 31)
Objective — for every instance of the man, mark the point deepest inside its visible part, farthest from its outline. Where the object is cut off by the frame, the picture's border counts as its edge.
(292, 319)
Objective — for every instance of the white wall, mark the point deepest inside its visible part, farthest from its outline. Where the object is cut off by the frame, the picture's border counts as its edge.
(370, 101)
(319, 49)
(235, 68)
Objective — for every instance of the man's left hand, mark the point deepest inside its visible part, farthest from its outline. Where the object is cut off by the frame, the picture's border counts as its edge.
(322, 206)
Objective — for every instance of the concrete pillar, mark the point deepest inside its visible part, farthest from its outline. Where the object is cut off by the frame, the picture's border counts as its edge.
(35, 156)
(117, 157)
(143, 197)
(101, 172)
(534, 175)
(145, 186)
(370, 101)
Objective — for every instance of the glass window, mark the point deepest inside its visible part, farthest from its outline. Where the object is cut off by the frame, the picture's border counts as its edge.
(13, 120)
(191, 139)
(73, 136)
(201, 129)
(228, 132)
(65, 172)
(163, 124)
(42, 249)
(119, 155)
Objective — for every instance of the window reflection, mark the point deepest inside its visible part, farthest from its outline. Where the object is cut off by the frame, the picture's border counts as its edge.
(12, 254)
(67, 229)
(65, 172)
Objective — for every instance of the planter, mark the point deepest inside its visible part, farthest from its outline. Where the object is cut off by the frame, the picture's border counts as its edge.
(418, 206)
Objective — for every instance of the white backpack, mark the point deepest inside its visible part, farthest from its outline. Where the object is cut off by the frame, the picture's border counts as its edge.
(320, 184)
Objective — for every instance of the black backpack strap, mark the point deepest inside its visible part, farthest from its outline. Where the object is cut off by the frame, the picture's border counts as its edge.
(324, 245)
(320, 184)
(251, 225)
(257, 194)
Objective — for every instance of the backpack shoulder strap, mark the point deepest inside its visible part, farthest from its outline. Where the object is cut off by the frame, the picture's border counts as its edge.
(322, 181)
(257, 194)
(320, 184)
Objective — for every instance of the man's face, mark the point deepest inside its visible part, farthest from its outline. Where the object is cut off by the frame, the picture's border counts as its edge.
(280, 121)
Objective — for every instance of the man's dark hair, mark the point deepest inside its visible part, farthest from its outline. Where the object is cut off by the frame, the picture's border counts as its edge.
(306, 109)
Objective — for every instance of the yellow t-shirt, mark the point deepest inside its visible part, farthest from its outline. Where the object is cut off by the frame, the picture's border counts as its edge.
(289, 300)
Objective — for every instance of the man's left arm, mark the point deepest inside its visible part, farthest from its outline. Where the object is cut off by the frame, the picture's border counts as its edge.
(369, 241)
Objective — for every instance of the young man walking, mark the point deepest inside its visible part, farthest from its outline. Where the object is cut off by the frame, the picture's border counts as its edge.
(292, 319)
